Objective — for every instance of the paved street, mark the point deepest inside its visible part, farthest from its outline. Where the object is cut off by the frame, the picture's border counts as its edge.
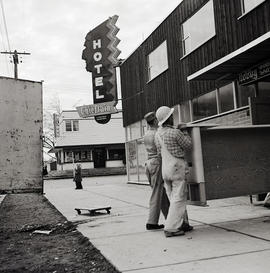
(230, 235)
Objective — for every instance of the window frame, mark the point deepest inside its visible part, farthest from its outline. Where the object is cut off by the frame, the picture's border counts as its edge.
(72, 126)
(218, 103)
(243, 12)
(68, 124)
(184, 38)
(149, 66)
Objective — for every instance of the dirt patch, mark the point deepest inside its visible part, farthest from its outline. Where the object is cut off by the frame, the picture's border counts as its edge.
(58, 248)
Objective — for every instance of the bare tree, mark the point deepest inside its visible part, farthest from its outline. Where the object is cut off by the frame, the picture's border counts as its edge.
(52, 107)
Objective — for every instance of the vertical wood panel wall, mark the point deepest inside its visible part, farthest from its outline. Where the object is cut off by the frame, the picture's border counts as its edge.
(171, 87)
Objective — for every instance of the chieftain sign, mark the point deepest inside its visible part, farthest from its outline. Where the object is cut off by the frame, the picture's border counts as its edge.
(100, 55)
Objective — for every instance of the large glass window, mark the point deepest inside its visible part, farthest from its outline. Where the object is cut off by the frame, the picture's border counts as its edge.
(185, 112)
(116, 154)
(264, 88)
(77, 156)
(243, 93)
(248, 5)
(68, 157)
(225, 98)
(205, 105)
(199, 28)
(157, 61)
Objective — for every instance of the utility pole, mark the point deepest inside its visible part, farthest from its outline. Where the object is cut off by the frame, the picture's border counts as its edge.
(15, 59)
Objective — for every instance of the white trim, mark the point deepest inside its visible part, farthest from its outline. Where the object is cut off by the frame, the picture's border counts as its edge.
(165, 67)
(234, 96)
(218, 100)
(195, 48)
(179, 113)
(184, 39)
(247, 12)
(191, 110)
(230, 56)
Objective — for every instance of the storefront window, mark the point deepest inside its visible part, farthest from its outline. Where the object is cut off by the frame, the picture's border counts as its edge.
(264, 88)
(205, 106)
(135, 130)
(225, 95)
(142, 157)
(116, 154)
(243, 93)
(185, 112)
(79, 156)
(132, 161)
(248, 5)
(199, 28)
(157, 61)
(68, 157)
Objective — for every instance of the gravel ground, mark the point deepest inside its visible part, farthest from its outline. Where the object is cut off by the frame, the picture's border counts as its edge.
(23, 248)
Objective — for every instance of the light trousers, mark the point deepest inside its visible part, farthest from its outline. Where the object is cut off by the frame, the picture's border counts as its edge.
(177, 194)
(158, 199)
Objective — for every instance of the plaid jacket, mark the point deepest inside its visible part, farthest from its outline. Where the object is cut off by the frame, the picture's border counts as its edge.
(175, 141)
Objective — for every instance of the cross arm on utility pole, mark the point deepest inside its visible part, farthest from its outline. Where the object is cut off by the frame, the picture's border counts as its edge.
(15, 57)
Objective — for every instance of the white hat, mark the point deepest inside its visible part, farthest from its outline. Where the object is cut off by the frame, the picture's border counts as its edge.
(163, 113)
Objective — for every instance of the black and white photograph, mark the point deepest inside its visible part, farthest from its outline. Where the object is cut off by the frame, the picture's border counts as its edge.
(134, 136)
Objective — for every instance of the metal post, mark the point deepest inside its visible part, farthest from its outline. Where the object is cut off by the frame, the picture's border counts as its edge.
(197, 159)
(15, 58)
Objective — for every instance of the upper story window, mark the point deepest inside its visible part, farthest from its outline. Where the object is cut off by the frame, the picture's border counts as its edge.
(72, 125)
(199, 28)
(157, 61)
(248, 5)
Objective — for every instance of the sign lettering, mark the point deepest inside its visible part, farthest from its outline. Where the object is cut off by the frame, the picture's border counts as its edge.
(251, 75)
(100, 55)
(92, 110)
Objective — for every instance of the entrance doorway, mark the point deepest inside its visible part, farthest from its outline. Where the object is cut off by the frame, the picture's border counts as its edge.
(99, 157)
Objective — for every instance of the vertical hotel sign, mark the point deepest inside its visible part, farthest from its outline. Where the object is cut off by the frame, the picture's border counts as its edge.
(100, 55)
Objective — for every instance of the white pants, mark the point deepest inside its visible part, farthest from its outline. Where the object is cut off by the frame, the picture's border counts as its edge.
(177, 193)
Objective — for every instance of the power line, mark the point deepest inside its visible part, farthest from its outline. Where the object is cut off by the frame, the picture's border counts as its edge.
(4, 48)
(5, 23)
(15, 60)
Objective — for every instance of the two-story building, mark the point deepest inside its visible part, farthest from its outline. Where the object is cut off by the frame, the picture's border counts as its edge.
(210, 60)
(89, 143)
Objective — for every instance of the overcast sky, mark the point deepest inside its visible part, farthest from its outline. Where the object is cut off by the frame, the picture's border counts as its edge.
(53, 31)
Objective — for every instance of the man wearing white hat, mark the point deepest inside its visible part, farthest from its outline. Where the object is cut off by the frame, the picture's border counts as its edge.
(173, 143)
(158, 200)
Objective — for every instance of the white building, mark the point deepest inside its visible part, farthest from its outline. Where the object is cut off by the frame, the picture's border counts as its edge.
(89, 143)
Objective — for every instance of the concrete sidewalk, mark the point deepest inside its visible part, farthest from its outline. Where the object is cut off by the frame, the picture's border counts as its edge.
(230, 235)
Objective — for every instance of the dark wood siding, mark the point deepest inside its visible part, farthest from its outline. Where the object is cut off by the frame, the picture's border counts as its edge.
(171, 87)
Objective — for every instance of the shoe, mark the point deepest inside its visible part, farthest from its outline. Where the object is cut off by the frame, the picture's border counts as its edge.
(186, 227)
(154, 226)
(175, 233)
